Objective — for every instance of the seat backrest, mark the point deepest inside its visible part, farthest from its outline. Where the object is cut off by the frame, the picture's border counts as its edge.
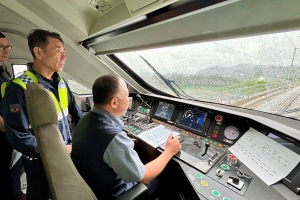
(64, 180)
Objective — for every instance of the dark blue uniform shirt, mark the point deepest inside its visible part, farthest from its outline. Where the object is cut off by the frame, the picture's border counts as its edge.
(104, 156)
(18, 132)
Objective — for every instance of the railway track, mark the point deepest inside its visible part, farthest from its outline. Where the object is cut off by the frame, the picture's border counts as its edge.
(281, 101)
(291, 108)
(284, 101)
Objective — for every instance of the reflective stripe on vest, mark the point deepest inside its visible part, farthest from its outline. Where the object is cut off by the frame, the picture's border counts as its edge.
(3, 86)
(29, 77)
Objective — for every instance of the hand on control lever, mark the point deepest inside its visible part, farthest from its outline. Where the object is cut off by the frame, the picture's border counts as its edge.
(172, 145)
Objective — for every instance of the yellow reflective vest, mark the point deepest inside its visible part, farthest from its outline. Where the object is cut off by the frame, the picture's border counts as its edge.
(61, 104)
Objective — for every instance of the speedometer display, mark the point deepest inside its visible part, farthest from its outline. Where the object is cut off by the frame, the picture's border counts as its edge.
(231, 132)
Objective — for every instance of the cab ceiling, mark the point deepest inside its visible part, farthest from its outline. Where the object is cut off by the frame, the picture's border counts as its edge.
(78, 19)
(225, 20)
(81, 22)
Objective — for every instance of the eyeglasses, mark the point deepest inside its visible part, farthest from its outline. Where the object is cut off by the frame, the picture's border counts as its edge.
(3, 47)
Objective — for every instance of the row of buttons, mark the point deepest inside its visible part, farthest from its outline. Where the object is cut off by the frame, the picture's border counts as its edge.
(213, 142)
(134, 128)
(143, 110)
(205, 184)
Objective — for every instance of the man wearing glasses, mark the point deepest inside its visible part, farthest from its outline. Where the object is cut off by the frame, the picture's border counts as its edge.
(5, 48)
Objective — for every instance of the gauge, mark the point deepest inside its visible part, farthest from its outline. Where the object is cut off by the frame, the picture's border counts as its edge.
(231, 132)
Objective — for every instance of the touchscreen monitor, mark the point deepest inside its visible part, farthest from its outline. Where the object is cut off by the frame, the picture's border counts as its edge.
(164, 110)
(193, 119)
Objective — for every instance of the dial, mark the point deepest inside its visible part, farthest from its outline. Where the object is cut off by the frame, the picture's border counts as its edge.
(231, 132)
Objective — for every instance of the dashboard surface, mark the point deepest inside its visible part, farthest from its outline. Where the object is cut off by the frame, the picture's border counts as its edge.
(206, 136)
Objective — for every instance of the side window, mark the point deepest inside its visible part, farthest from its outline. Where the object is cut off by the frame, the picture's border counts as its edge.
(83, 95)
(18, 70)
(78, 88)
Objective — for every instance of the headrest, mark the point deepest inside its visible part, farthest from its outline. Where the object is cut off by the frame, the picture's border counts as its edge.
(40, 106)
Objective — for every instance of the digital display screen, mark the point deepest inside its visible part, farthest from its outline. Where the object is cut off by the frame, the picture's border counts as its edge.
(164, 110)
(193, 119)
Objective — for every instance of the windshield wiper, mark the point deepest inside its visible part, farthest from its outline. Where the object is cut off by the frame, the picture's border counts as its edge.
(168, 82)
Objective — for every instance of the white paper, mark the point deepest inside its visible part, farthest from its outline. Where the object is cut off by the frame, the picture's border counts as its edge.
(157, 135)
(268, 159)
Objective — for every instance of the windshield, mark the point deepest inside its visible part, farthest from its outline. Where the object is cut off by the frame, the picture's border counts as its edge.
(259, 72)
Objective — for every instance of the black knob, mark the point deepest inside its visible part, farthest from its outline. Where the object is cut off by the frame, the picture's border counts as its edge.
(235, 180)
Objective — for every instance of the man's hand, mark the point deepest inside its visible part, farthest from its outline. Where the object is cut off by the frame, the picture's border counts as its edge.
(156, 166)
(172, 145)
(69, 148)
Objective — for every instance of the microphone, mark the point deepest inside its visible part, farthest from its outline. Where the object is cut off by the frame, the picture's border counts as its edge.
(144, 102)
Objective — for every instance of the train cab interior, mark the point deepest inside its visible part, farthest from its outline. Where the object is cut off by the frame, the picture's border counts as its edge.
(222, 75)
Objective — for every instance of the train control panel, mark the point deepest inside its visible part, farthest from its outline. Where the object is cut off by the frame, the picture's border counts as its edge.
(206, 137)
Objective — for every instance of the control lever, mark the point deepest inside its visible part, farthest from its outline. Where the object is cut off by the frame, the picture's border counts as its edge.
(196, 143)
(150, 113)
(235, 180)
(242, 174)
(206, 148)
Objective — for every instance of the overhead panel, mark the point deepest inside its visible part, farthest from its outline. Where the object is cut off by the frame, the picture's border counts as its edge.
(200, 21)
(125, 12)
(134, 5)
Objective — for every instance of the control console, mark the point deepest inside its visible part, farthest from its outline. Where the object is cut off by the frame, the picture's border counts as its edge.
(196, 151)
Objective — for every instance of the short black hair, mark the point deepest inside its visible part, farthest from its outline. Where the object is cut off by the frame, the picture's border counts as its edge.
(2, 35)
(39, 38)
(104, 88)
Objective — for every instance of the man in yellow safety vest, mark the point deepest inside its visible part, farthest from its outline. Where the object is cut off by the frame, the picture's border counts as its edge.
(47, 49)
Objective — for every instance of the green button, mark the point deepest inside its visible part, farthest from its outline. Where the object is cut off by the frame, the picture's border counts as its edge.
(138, 131)
(225, 167)
(216, 193)
(205, 140)
(226, 198)
(215, 143)
(198, 175)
